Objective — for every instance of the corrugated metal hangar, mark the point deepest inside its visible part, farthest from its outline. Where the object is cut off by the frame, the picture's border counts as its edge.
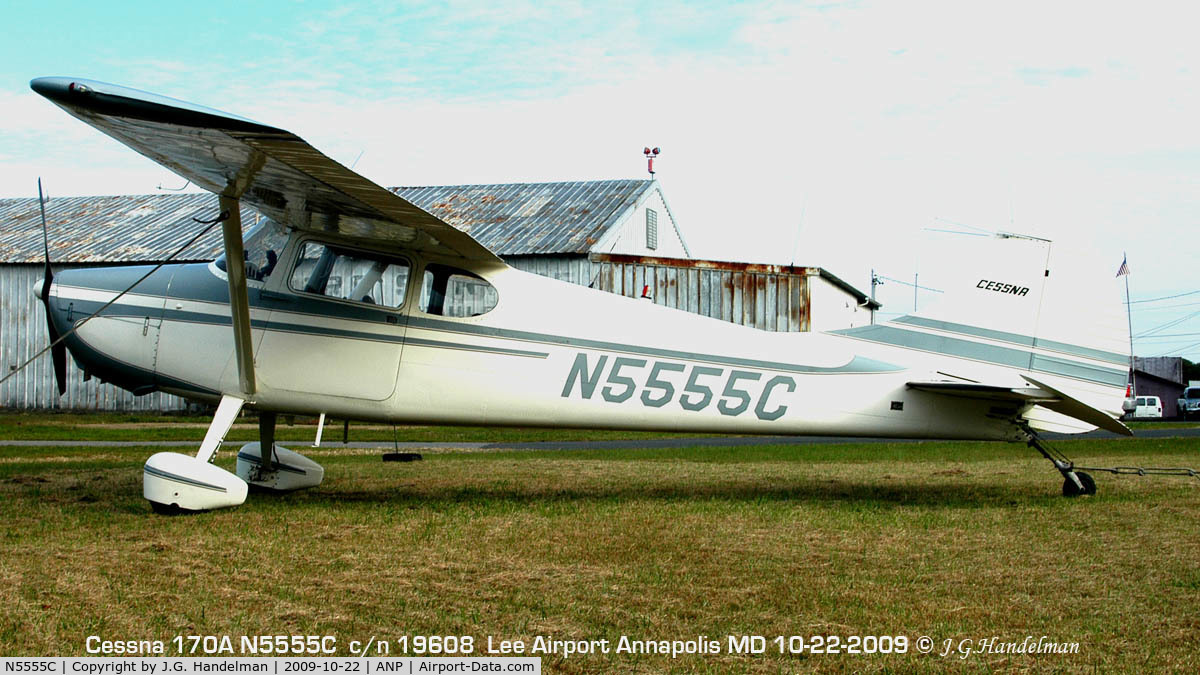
(614, 235)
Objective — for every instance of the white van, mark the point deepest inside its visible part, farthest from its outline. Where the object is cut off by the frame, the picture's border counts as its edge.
(1148, 406)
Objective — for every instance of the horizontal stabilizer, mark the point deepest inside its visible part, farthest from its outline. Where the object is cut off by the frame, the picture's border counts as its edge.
(1040, 394)
(1073, 407)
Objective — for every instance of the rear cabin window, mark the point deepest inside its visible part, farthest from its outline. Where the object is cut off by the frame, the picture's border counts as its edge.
(346, 274)
(449, 291)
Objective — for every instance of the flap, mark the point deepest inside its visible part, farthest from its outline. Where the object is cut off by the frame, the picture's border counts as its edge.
(985, 391)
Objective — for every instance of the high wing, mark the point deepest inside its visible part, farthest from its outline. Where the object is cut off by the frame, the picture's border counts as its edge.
(270, 169)
(1039, 393)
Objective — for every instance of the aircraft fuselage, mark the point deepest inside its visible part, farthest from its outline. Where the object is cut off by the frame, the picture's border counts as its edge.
(547, 353)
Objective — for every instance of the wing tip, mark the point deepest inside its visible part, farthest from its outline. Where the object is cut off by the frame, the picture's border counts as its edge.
(120, 101)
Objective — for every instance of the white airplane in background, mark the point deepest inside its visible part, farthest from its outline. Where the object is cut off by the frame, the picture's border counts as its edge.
(352, 302)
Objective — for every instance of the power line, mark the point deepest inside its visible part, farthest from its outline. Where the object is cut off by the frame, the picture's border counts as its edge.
(1169, 324)
(1181, 351)
(909, 284)
(1165, 297)
(979, 231)
(1163, 336)
(1159, 309)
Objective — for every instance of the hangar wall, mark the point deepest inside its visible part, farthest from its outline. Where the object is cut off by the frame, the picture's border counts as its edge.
(768, 297)
(832, 308)
(758, 296)
(649, 222)
(23, 334)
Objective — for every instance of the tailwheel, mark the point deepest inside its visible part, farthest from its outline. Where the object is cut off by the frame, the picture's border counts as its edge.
(1086, 485)
(1075, 483)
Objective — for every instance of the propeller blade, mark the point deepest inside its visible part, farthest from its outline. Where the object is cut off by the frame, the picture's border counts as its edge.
(58, 351)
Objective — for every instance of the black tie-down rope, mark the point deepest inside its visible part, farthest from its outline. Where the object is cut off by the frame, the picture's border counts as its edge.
(1057, 456)
(224, 215)
(1144, 471)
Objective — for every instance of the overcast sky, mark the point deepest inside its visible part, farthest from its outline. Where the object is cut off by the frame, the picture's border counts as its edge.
(832, 134)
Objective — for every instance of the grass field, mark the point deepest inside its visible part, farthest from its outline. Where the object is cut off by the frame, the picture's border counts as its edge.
(948, 540)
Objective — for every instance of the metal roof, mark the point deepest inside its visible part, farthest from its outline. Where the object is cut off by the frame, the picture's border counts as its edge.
(509, 219)
(532, 218)
(125, 229)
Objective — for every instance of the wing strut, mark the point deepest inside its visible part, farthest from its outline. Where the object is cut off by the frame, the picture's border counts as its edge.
(227, 412)
(239, 304)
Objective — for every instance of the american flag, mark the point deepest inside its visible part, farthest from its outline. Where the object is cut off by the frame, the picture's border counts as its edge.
(1124, 268)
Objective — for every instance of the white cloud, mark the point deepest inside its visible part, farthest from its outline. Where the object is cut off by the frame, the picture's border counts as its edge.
(856, 124)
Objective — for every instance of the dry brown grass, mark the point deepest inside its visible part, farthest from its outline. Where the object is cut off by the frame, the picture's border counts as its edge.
(663, 545)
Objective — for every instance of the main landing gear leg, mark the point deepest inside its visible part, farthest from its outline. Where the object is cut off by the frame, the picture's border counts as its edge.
(266, 447)
(1075, 483)
(176, 483)
(267, 466)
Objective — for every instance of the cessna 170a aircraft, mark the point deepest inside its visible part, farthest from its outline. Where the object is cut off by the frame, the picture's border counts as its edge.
(352, 302)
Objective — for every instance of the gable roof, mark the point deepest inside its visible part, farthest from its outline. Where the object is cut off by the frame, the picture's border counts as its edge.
(122, 228)
(507, 218)
(532, 218)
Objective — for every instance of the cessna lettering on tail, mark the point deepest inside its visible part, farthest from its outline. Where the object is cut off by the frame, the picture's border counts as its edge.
(1001, 287)
(735, 398)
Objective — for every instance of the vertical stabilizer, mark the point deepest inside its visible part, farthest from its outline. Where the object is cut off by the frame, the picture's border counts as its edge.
(1033, 307)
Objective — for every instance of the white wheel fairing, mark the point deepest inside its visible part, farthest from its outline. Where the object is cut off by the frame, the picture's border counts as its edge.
(172, 479)
(292, 470)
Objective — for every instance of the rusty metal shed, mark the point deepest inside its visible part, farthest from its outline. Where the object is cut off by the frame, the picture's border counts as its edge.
(591, 233)
(768, 297)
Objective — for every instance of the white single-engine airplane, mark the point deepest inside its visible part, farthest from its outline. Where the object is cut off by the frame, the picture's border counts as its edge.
(352, 302)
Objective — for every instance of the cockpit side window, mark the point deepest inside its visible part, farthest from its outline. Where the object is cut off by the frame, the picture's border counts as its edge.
(263, 245)
(345, 274)
(449, 291)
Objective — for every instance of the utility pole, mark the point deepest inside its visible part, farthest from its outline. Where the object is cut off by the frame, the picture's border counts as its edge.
(875, 281)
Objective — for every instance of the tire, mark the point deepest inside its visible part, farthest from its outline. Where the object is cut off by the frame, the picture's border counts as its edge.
(1070, 489)
(168, 509)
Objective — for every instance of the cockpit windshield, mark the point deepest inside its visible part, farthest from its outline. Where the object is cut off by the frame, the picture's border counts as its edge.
(263, 245)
